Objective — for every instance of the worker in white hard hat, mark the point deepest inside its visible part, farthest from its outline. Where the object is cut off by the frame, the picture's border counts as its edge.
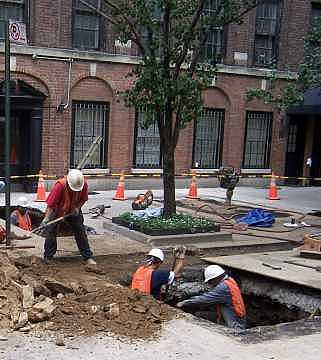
(149, 279)
(66, 198)
(21, 215)
(224, 299)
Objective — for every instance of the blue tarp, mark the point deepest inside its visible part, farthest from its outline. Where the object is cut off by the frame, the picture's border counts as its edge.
(258, 217)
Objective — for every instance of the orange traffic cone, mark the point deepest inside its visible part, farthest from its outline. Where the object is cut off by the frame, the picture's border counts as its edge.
(192, 193)
(273, 190)
(120, 191)
(41, 191)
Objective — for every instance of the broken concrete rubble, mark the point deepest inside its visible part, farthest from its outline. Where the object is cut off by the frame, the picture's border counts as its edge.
(57, 287)
(19, 320)
(8, 271)
(38, 287)
(25, 293)
(41, 311)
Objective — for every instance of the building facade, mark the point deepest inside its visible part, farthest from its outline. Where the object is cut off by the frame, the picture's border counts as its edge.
(65, 83)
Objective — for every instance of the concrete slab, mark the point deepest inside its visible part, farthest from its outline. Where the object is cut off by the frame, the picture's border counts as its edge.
(288, 272)
(185, 339)
(169, 240)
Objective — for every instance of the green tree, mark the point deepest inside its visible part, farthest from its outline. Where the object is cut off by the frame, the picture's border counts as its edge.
(280, 94)
(170, 36)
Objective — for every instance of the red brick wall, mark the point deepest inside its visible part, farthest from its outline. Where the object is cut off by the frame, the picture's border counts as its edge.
(50, 26)
(51, 77)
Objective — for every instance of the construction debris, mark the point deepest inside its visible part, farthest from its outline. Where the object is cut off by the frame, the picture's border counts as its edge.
(35, 298)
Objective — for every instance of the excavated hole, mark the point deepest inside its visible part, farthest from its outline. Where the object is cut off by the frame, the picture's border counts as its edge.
(262, 310)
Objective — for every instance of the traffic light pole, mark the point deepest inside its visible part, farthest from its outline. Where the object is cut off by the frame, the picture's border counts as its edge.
(7, 133)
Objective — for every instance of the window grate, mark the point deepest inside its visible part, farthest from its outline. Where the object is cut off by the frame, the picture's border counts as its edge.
(89, 121)
(147, 144)
(208, 139)
(257, 140)
(10, 10)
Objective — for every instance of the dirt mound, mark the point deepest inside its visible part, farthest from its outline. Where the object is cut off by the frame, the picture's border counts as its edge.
(37, 297)
(114, 310)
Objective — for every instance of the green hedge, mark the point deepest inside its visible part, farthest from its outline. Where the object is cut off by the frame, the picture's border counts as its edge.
(177, 222)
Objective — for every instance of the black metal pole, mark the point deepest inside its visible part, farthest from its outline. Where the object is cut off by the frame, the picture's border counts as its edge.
(7, 132)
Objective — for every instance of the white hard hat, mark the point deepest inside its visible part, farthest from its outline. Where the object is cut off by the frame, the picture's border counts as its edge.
(212, 272)
(23, 202)
(75, 179)
(157, 253)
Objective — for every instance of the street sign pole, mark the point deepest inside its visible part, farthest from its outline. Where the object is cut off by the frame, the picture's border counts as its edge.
(7, 132)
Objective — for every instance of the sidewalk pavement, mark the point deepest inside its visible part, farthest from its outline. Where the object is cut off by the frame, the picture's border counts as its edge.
(299, 199)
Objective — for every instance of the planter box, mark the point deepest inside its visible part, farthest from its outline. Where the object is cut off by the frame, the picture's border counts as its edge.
(162, 232)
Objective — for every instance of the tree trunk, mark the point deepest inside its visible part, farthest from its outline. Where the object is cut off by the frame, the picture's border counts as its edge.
(169, 178)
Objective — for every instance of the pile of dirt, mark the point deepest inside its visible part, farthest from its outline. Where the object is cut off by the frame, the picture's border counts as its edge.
(36, 297)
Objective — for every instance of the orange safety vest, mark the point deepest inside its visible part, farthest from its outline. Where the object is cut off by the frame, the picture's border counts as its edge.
(237, 299)
(70, 199)
(142, 279)
(24, 221)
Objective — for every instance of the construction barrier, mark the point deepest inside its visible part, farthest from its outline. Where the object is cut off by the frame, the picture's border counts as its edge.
(183, 175)
(192, 193)
(120, 191)
(41, 191)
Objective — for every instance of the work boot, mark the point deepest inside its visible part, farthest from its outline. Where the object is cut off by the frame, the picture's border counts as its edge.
(48, 260)
(91, 261)
(91, 266)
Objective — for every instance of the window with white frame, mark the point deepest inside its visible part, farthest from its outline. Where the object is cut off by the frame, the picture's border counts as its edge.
(208, 139)
(90, 120)
(86, 25)
(10, 10)
(257, 140)
(266, 33)
(147, 143)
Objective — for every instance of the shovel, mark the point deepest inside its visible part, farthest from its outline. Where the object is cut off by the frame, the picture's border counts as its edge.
(49, 223)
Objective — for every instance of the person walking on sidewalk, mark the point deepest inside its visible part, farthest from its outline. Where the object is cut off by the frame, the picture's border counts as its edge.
(224, 295)
(66, 199)
(148, 279)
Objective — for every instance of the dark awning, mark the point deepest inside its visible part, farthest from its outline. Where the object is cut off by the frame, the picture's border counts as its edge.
(311, 103)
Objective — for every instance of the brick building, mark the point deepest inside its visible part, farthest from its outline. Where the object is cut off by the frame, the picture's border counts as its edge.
(65, 83)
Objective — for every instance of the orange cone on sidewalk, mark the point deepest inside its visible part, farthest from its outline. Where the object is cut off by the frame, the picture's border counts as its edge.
(192, 193)
(41, 191)
(273, 190)
(120, 191)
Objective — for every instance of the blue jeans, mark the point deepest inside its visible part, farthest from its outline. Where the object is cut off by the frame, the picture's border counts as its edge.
(76, 223)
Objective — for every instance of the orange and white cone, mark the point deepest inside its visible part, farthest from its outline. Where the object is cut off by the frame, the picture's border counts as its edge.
(41, 191)
(120, 191)
(192, 193)
(273, 190)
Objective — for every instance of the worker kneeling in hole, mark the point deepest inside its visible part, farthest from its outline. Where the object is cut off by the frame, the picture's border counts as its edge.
(148, 279)
(224, 294)
(21, 216)
(66, 199)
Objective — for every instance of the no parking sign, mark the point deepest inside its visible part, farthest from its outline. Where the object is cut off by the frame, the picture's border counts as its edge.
(17, 32)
